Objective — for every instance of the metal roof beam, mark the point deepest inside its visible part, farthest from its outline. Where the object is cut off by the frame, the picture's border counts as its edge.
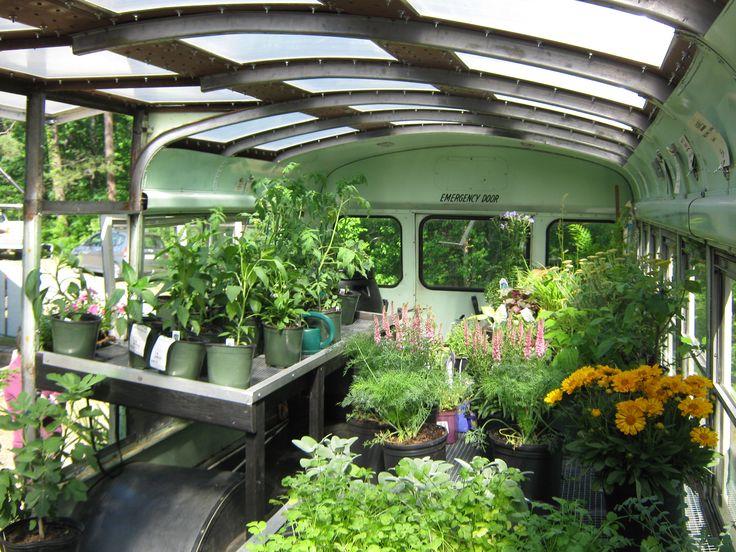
(387, 118)
(477, 131)
(423, 34)
(439, 77)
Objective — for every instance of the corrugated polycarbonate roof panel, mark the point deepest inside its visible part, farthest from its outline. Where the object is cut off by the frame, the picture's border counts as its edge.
(263, 124)
(555, 79)
(182, 94)
(18, 102)
(588, 26)
(279, 145)
(60, 62)
(325, 85)
(255, 47)
(127, 6)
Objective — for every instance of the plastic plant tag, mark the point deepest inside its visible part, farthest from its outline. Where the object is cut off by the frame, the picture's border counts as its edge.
(160, 352)
(450, 367)
(503, 284)
(176, 335)
(527, 315)
(137, 339)
(443, 423)
(230, 342)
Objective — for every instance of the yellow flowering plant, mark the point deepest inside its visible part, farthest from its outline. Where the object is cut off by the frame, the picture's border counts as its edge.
(638, 427)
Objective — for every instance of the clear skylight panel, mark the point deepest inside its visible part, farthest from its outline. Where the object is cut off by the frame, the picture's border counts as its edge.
(247, 128)
(551, 78)
(421, 122)
(176, 95)
(581, 24)
(285, 143)
(17, 101)
(60, 62)
(255, 47)
(125, 6)
(6, 25)
(326, 85)
(367, 108)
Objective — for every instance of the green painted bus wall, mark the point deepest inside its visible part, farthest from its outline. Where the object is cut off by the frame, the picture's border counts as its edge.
(695, 198)
(487, 179)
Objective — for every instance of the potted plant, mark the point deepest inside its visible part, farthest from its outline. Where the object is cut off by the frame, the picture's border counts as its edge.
(35, 492)
(189, 292)
(510, 394)
(399, 381)
(248, 268)
(142, 330)
(453, 393)
(75, 311)
(332, 251)
(640, 431)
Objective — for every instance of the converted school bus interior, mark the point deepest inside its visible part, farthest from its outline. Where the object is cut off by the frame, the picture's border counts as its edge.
(565, 111)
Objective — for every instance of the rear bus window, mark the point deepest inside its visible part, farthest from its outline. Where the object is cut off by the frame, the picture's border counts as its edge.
(473, 253)
(383, 235)
(575, 240)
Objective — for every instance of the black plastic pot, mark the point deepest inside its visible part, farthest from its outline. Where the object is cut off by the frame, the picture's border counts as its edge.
(370, 294)
(394, 452)
(67, 541)
(545, 466)
(371, 456)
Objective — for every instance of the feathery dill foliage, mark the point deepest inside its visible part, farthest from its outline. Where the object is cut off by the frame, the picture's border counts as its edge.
(398, 372)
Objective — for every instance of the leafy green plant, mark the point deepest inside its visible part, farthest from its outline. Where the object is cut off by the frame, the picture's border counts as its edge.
(189, 291)
(622, 311)
(333, 505)
(140, 292)
(53, 436)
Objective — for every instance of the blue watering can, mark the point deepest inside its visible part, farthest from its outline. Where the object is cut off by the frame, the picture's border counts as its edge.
(312, 341)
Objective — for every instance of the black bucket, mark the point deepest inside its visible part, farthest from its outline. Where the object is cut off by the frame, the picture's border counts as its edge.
(394, 452)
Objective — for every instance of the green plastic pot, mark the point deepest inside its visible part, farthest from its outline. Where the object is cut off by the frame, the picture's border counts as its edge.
(336, 317)
(185, 359)
(229, 365)
(283, 347)
(76, 338)
(349, 306)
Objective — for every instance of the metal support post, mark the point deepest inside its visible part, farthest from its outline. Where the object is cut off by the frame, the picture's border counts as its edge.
(33, 197)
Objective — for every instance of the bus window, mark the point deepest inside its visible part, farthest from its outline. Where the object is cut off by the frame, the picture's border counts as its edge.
(472, 254)
(384, 236)
(696, 322)
(575, 240)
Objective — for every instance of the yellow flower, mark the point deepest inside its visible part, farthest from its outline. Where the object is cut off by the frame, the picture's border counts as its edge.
(698, 385)
(698, 408)
(579, 378)
(650, 407)
(625, 382)
(704, 437)
(595, 412)
(553, 396)
(629, 418)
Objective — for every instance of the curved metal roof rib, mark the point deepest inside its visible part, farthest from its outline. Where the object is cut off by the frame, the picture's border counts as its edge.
(462, 70)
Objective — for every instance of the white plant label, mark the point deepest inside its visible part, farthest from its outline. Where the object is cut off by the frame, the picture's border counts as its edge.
(137, 340)
(176, 335)
(443, 423)
(160, 352)
(527, 315)
(230, 342)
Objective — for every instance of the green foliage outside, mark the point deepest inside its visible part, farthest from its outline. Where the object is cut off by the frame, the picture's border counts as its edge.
(474, 253)
(573, 241)
(383, 235)
(74, 168)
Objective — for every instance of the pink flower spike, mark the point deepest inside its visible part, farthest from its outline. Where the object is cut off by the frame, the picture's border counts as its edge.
(540, 345)
(497, 338)
(528, 345)
(466, 332)
(386, 324)
(477, 337)
(94, 309)
(376, 330)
